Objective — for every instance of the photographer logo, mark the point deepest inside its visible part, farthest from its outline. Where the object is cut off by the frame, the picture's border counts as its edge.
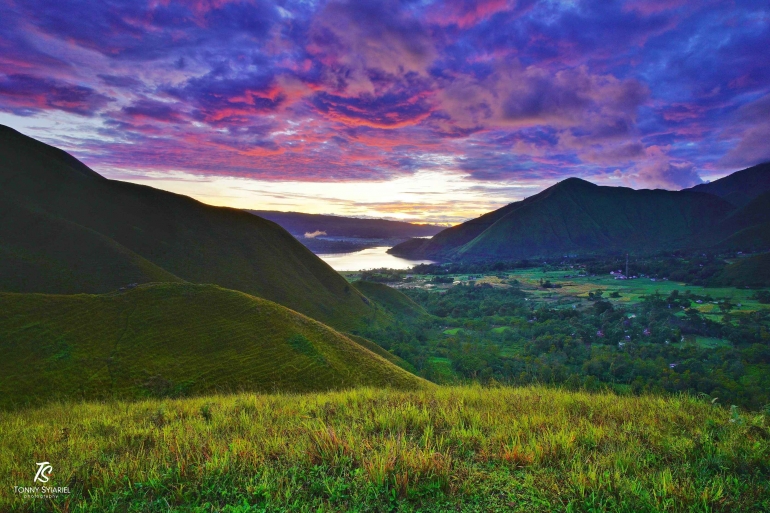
(44, 470)
(43, 475)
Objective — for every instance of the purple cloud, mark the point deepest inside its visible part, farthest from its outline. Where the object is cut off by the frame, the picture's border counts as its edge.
(27, 95)
(652, 92)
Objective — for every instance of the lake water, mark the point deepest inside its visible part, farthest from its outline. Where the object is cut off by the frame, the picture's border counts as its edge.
(372, 258)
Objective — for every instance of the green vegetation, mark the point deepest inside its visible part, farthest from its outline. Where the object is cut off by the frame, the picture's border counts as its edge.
(577, 217)
(753, 271)
(392, 300)
(173, 340)
(638, 369)
(588, 331)
(529, 449)
(64, 229)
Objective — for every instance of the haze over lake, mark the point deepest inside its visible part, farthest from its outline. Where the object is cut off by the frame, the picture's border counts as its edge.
(372, 258)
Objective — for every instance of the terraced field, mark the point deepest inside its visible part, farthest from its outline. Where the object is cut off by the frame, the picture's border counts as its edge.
(172, 340)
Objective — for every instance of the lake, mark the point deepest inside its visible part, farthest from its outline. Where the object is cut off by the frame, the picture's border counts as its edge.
(372, 258)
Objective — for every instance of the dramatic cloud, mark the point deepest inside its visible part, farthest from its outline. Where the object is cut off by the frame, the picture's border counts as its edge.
(646, 93)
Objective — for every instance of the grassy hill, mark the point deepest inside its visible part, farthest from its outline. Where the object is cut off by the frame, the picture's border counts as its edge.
(376, 349)
(66, 229)
(391, 299)
(741, 187)
(173, 339)
(40, 252)
(577, 216)
(753, 271)
(529, 449)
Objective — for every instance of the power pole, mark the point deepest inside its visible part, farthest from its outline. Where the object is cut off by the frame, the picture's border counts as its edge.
(627, 276)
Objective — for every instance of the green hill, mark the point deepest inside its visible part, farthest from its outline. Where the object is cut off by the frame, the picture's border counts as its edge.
(440, 449)
(741, 187)
(66, 229)
(376, 349)
(173, 339)
(577, 216)
(392, 300)
(753, 271)
(746, 229)
(49, 254)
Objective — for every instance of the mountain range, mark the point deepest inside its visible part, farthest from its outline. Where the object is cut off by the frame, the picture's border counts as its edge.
(300, 224)
(576, 216)
(338, 234)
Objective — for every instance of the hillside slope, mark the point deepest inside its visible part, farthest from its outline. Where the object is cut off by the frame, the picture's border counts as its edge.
(577, 216)
(394, 302)
(172, 339)
(753, 271)
(746, 229)
(48, 254)
(133, 233)
(741, 187)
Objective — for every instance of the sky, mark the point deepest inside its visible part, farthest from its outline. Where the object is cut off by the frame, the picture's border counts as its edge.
(417, 110)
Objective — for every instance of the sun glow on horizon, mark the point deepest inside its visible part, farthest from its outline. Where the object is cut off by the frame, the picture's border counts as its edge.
(425, 197)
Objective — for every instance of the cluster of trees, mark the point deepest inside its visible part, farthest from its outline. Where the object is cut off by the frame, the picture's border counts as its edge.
(652, 347)
(691, 268)
(694, 269)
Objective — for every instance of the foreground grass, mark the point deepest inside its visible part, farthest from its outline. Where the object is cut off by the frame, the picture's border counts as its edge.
(463, 449)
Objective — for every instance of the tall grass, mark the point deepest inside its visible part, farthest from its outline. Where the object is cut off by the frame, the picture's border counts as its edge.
(460, 449)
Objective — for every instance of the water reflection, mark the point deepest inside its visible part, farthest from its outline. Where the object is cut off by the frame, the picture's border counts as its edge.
(372, 258)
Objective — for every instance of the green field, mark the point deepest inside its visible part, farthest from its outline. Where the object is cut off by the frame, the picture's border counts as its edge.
(175, 339)
(631, 291)
(527, 449)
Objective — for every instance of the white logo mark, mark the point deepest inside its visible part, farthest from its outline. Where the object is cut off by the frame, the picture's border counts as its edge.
(44, 470)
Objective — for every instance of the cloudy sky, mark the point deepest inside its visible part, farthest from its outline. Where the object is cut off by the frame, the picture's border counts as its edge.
(420, 110)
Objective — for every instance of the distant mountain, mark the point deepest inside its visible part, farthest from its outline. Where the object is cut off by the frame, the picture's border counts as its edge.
(575, 216)
(175, 340)
(299, 224)
(741, 187)
(65, 229)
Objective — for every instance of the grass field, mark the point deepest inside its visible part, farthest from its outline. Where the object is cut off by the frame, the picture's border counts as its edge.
(174, 339)
(444, 449)
(631, 291)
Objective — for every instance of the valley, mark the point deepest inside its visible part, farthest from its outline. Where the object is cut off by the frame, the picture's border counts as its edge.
(190, 354)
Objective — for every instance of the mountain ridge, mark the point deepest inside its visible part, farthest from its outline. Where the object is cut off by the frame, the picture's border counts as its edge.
(181, 236)
(577, 216)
